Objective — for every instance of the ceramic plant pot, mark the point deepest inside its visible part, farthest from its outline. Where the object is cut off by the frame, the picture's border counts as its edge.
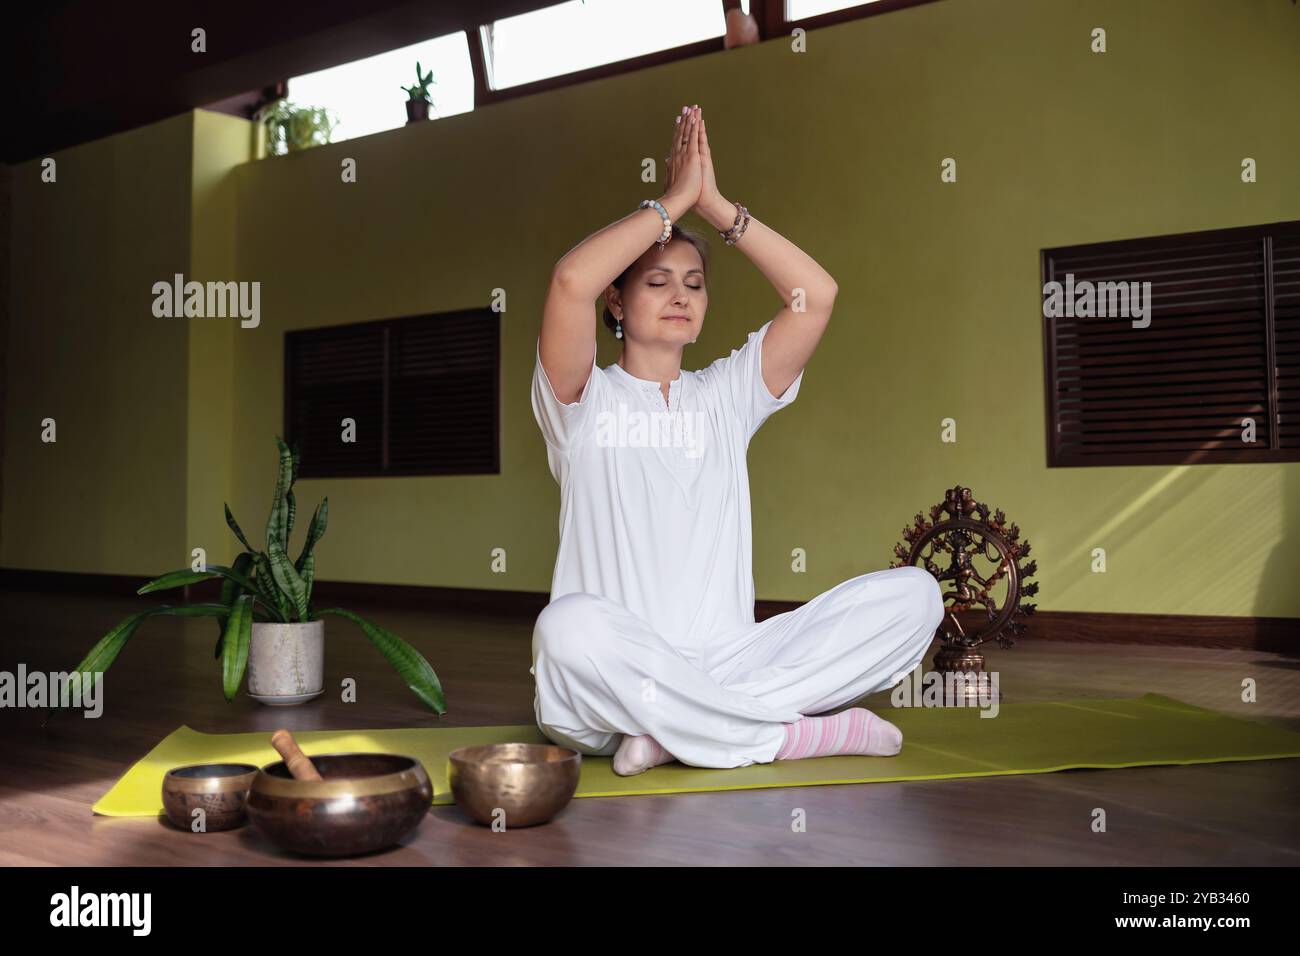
(417, 110)
(286, 662)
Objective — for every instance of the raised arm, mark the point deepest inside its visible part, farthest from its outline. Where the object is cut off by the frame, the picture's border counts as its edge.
(568, 338)
(793, 336)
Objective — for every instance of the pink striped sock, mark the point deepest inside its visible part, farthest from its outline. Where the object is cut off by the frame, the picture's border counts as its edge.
(853, 731)
(637, 754)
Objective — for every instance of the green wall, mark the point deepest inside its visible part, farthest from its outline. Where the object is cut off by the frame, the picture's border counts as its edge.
(85, 350)
(142, 405)
(838, 148)
(220, 144)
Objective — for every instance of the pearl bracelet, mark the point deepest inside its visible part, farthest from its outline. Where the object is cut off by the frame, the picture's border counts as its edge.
(668, 223)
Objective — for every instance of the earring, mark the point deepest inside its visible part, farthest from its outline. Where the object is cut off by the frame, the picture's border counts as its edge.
(618, 326)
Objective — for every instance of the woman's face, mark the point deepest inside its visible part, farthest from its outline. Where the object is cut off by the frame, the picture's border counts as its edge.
(663, 299)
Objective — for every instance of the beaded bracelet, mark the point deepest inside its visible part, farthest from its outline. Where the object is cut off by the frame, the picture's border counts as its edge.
(668, 223)
(738, 227)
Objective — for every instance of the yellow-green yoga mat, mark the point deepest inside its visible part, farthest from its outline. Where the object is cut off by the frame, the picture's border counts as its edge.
(938, 743)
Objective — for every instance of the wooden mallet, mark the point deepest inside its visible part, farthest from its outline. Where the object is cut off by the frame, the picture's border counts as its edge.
(298, 762)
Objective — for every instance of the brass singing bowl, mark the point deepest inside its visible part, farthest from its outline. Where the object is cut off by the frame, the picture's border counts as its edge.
(366, 802)
(519, 785)
(220, 790)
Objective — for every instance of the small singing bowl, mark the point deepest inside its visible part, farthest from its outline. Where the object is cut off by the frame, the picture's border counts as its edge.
(220, 790)
(527, 783)
(366, 802)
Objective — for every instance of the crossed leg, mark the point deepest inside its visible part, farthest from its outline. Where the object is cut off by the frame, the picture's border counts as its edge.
(602, 672)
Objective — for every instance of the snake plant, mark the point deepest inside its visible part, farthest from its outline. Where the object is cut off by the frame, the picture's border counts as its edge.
(265, 586)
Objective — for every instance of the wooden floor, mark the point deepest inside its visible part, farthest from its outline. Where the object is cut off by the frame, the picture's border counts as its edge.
(1213, 814)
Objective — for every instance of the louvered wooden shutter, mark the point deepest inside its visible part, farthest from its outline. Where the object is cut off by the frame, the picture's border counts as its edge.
(1179, 390)
(423, 391)
(443, 395)
(1286, 322)
(332, 374)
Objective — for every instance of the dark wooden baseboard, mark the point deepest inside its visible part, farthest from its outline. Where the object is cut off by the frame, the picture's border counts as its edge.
(473, 600)
(1279, 635)
(489, 601)
(70, 582)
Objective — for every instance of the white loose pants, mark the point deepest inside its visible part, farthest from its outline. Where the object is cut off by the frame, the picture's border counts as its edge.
(602, 672)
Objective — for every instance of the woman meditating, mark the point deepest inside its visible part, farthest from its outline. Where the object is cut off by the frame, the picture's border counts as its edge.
(649, 649)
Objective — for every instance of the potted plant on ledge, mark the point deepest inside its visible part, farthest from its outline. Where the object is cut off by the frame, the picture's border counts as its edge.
(290, 128)
(417, 106)
(268, 625)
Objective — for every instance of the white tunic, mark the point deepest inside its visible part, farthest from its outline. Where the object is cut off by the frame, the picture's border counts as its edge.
(654, 496)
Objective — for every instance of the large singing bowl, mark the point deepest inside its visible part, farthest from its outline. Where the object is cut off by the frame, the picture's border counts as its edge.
(364, 803)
